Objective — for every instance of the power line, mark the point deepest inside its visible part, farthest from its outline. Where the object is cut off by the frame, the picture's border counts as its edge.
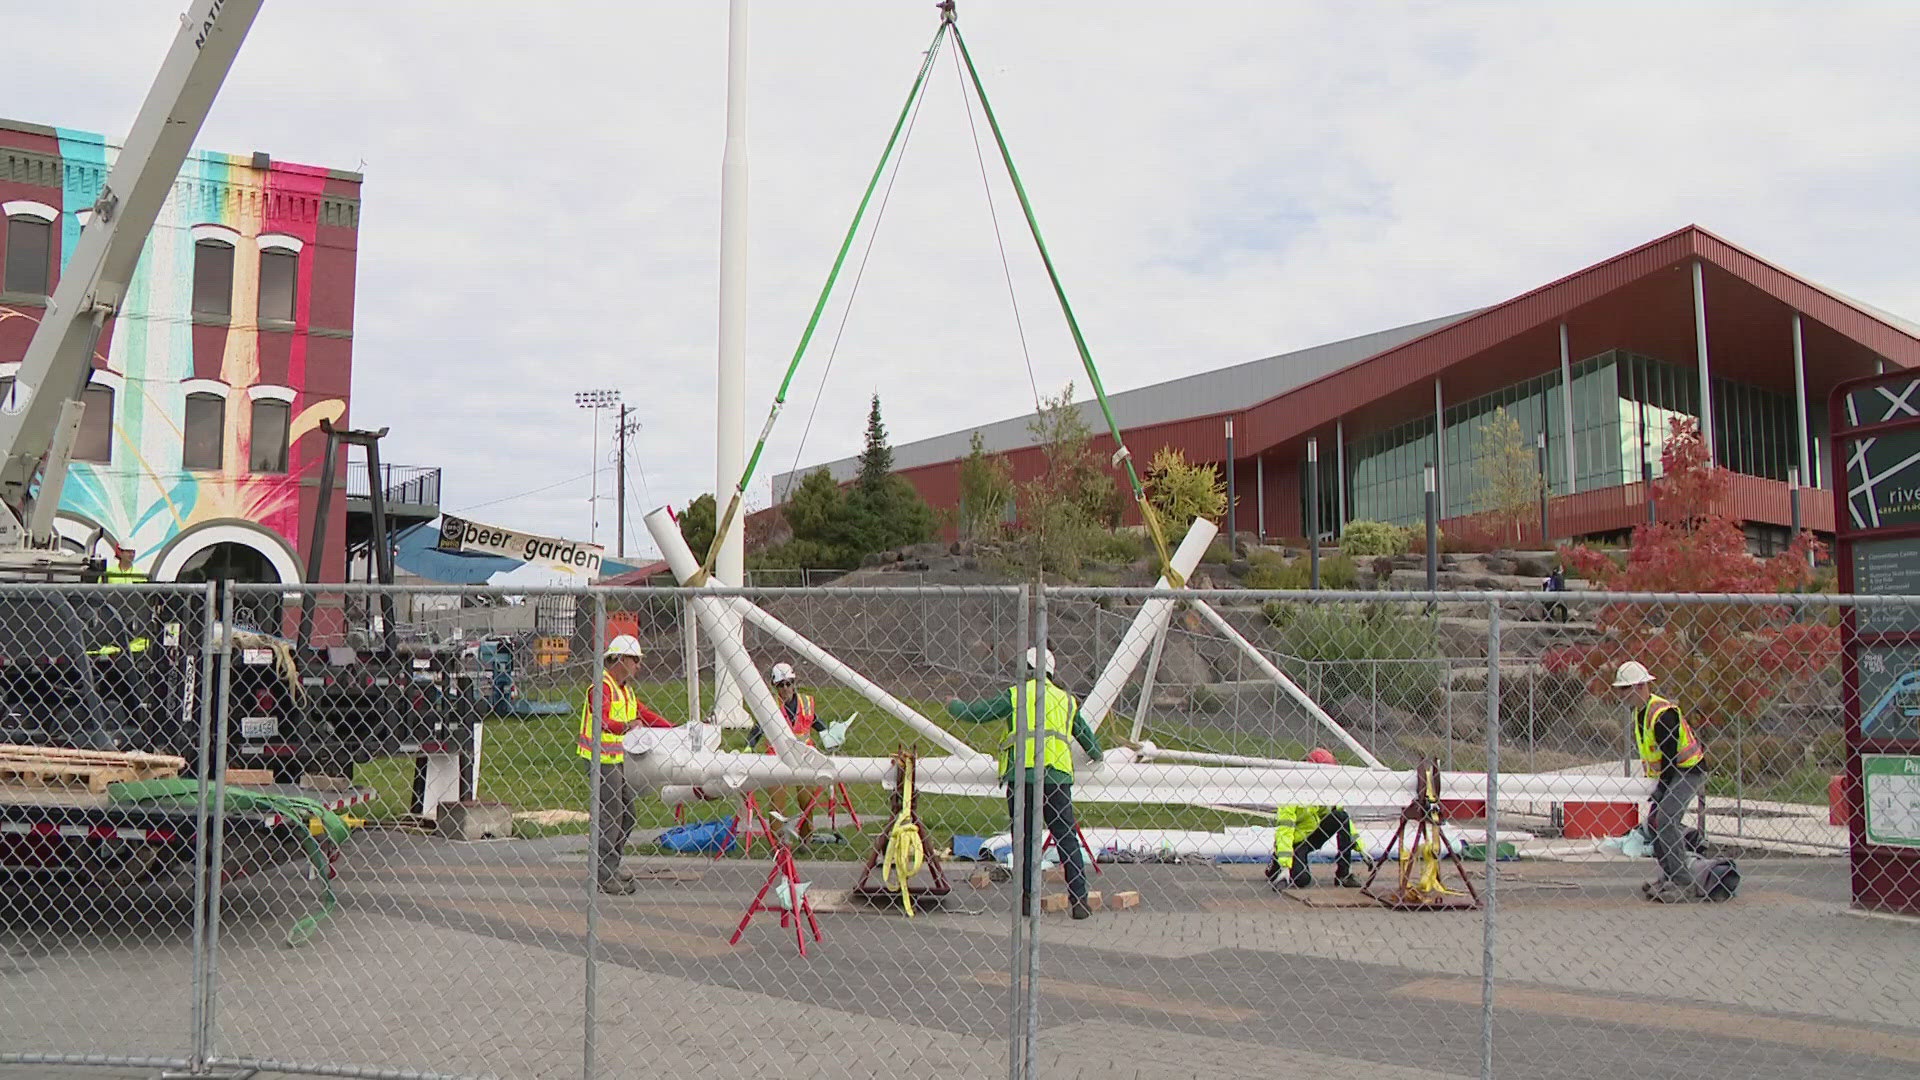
(524, 494)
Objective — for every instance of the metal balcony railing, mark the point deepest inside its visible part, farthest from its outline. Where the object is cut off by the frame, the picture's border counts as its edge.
(403, 485)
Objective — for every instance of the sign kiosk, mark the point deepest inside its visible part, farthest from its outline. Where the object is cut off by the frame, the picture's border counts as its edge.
(1875, 425)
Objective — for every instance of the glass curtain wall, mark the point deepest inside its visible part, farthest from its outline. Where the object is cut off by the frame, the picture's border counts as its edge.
(1623, 408)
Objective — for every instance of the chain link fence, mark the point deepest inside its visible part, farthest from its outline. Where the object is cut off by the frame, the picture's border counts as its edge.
(412, 869)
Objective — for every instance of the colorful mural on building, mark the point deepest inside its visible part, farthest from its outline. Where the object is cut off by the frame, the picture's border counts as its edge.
(220, 368)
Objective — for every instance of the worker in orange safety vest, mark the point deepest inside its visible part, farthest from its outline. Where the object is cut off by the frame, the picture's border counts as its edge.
(803, 720)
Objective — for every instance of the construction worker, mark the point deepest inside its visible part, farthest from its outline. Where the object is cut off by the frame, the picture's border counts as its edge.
(1677, 761)
(1299, 831)
(123, 572)
(620, 709)
(1055, 719)
(798, 711)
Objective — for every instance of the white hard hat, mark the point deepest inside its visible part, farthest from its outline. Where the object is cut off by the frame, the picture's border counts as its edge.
(782, 673)
(1632, 673)
(625, 645)
(1033, 660)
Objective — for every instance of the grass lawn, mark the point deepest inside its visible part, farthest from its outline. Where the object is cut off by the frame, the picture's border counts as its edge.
(532, 765)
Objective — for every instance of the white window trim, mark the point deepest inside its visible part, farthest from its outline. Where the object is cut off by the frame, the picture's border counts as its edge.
(271, 393)
(216, 232)
(280, 242)
(189, 387)
(113, 380)
(27, 208)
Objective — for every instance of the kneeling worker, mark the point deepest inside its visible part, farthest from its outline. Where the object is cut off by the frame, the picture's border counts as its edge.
(1055, 719)
(1298, 832)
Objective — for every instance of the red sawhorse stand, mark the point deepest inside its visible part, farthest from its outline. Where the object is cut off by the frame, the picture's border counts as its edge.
(742, 826)
(1085, 848)
(783, 870)
(836, 797)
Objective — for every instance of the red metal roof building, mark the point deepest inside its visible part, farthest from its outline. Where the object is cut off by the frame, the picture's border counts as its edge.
(1626, 334)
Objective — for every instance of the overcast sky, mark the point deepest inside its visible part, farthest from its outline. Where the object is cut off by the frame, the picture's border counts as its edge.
(1216, 181)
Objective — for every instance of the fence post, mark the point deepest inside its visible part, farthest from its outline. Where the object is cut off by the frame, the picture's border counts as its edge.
(216, 775)
(1037, 796)
(1017, 856)
(1492, 849)
(596, 692)
(202, 1035)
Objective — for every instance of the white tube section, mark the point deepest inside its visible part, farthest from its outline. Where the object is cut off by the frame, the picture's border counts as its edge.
(1148, 623)
(681, 776)
(1293, 690)
(729, 654)
(859, 683)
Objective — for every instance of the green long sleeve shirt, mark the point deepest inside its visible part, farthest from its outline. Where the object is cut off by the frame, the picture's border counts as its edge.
(988, 710)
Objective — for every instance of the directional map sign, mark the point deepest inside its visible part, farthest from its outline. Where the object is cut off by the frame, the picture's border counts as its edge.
(1892, 803)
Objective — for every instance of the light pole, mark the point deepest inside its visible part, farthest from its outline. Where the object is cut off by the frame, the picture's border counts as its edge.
(593, 401)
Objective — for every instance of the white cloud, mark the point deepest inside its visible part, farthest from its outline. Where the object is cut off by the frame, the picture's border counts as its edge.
(1216, 182)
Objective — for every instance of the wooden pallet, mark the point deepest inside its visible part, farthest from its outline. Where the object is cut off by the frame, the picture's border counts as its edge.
(54, 766)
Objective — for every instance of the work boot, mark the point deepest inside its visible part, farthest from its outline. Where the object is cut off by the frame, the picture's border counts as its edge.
(1082, 909)
(619, 886)
(1302, 877)
(1344, 877)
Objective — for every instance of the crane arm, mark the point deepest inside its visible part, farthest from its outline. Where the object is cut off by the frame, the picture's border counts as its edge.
(59, 360)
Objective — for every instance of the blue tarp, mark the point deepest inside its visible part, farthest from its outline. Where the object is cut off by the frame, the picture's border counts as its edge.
(415, 553)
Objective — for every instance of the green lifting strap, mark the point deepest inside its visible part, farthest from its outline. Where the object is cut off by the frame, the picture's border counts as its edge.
(1121, 453)
(297, 810)
(819, 308)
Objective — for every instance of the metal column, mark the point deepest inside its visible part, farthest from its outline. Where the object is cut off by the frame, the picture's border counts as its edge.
(1232, 497)
(1700, 350)
(1260, 498)
(1340, 473)
(1566, 411)
(1439, 452)
(1807, 470)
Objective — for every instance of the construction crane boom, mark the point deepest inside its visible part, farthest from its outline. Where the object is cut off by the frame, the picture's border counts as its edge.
(40, 417)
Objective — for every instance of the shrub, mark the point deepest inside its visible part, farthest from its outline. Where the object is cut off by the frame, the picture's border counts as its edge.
(1218, 552)
(1284, 575)
(1372, 538)
(1267, 557)
(1368, 648)
(1417, 541)
(1338, 572)
(1118, 547)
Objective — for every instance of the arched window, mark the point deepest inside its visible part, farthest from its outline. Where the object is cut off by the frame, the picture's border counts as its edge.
(29, 251)
(213, 278)
(279, 277)
(268, 449)
(206, 425)
(95, 442)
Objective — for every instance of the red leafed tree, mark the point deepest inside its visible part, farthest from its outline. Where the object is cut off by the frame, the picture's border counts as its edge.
(1721, 662)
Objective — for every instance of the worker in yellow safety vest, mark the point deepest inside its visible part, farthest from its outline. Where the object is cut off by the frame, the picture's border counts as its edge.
(1057, 724)
(1299, 831)
(620, 709)
(123, 572)
(1676, 759)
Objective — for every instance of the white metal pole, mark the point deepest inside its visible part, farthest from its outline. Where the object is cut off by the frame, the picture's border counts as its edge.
(1147, 623)
(1807, 471)
(730, 455)
(1566, 412)
(1700, 350)
(1439, 447)
(1293, 689)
